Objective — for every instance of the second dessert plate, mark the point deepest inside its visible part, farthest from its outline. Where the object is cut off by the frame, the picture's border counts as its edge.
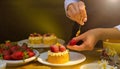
(61, 41)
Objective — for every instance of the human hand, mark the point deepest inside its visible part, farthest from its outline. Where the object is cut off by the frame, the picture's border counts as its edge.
(89, 39)
(76, 11)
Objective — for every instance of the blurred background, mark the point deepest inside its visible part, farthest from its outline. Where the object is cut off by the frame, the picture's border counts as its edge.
(19, 18)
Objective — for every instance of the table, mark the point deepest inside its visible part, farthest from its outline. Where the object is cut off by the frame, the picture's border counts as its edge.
(91, 56)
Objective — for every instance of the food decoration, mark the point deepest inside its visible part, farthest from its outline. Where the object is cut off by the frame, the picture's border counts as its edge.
(58, 54)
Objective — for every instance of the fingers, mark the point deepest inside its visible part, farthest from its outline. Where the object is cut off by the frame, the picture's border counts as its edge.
(75, 47)
(77, 12)
(83, 12)
(85, 19)
(73, 11)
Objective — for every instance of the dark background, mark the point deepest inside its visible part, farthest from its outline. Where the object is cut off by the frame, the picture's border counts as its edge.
(19, 18)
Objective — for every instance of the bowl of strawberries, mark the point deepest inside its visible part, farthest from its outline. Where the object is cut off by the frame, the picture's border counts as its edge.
(15, 55)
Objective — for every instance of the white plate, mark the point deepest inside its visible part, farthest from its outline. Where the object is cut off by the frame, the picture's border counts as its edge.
(38, 45)
(21, 62)
(93, 66)
(75, 58)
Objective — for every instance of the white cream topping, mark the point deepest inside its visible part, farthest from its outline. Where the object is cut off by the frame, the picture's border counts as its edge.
(58, 53)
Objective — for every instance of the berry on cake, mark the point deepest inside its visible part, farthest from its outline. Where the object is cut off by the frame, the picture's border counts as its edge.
(58, 54)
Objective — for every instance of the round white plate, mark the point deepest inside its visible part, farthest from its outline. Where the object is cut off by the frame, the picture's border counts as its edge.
(38, 45)
(94, 66)
(75, 58)
(21, 62)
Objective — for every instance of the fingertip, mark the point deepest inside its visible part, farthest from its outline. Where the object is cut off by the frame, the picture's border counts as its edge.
(81, 23)
(85, 19)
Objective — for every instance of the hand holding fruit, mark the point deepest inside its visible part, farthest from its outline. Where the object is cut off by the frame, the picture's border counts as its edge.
(76, 11)
(89, 39)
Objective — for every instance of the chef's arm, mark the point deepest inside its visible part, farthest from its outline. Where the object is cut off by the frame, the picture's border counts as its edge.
(110, 33)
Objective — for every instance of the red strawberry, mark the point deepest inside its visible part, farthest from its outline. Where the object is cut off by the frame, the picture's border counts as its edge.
(73, 42)
(6, 52)
(7, 43)
(54, 48)
(1, 50)
(62, 48)
(29, 49)
(30, 54)
(18, 55)
(24, 47)
(14, 48)
(6, 57)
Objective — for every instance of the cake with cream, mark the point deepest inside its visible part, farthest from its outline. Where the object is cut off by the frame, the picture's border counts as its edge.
(49, 39)
(35, 38)
(58, 54)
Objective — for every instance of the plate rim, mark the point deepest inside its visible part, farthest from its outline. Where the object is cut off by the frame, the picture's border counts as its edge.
(37, 45)
(39, 59)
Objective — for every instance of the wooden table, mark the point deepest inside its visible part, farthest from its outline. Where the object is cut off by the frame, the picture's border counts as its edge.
(91, 56)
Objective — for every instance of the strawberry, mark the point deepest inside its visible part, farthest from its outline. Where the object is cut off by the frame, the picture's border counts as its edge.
(18, 55)
(30, 54)
(6, 57)
(1, 50)
(72, 42)
(29, 49)
(7, 43)
(6, 52)
(14, 48)
(24, 47)
(54, 48)
(62, 48)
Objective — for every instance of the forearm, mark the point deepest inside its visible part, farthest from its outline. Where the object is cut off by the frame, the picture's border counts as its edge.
(109, 33)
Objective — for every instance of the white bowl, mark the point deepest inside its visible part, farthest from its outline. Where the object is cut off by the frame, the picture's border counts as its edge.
(94, 66)
(21, 62)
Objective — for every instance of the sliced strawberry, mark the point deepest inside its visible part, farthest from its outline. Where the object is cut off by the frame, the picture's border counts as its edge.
(54, 48)
(62, 48)
(72, 42)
